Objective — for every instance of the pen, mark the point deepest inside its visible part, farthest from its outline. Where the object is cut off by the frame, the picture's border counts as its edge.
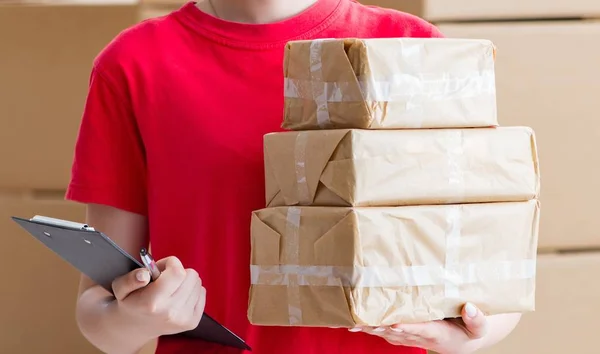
(150, 264)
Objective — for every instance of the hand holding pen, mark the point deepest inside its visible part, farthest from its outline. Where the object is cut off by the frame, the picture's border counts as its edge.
(162, 298)
(150, 264)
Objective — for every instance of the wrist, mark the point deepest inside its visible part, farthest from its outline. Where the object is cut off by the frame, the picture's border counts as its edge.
(129, 329)
(107, 327)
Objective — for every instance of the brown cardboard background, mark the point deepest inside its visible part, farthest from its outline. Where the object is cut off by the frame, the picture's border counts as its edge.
(458, 10)
(152, 11)
(548, 78)
(171, 3)
(39, 289)
(43, 84)
(157, 8)
(567, 308)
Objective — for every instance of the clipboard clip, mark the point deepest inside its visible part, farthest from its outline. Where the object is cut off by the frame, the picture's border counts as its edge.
(71, 225)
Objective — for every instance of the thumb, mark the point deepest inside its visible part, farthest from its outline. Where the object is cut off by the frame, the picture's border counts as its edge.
(475, 321)
(130, 282)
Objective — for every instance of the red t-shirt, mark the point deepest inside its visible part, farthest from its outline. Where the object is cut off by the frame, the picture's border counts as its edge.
(173, 129)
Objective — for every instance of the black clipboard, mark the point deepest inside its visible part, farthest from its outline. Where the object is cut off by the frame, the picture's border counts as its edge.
(102, 260)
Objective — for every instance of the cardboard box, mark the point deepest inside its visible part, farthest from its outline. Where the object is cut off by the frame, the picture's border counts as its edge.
(158, 8)
(400, 167)
(150, 11)
(389, 84)
(341, 267)
(36, 271)
(460, 10)
(70, 2)
(40, 290)
(172, 3)
(44, 74)
(548, 78)
(567, 308)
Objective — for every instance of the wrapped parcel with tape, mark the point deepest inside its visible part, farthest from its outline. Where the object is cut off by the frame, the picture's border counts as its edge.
(342, 267)
(395, 196)
(400, 167)
(390, 83)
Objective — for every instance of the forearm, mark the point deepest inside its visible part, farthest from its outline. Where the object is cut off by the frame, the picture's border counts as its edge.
(499, 327)
(101, 324)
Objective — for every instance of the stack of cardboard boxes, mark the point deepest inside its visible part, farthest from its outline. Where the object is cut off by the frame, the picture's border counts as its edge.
(395, 198)
(548, 78)
(157, 8)
(47, 54)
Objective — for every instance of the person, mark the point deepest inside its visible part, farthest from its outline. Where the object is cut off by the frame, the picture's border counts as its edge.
(169, 153)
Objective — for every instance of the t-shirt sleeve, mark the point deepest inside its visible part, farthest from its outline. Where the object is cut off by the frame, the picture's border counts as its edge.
(109, 165)
(435, 32)
(420, 28)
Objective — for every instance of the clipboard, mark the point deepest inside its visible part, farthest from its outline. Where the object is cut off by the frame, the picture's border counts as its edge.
(102, 260)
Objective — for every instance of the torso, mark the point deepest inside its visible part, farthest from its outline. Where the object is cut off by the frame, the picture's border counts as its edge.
(202, 108)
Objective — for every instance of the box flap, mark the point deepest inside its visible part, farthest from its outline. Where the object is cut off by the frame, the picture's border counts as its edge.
(269, 240)
(339, 245)
(311, 83)
(296, 177)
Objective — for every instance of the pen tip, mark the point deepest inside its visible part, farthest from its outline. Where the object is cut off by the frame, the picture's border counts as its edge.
(143, 252)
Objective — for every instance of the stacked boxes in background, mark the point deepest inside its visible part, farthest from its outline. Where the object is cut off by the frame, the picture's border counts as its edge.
(395, 198)
(548, 78)
(48, 49)
(47, 55)
(157, 8)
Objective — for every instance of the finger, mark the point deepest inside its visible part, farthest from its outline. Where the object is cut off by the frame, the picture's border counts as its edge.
(378, 330)
(407, 340)
(200, 304)
(475, 321)
(171, 278)
(396, 336)
(425, 331)
(168, 263)
(187, 307)
(130, 282)
(192, 300)
(371, 330)
(186, 289)
(357, 329)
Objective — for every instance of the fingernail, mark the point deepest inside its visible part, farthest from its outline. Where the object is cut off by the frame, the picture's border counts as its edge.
(379, 329)
(355, 329)
(397, 330)
(471, 310)
(142, 276)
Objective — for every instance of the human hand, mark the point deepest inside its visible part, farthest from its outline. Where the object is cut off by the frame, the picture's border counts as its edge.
(452, 336)
(174, 303)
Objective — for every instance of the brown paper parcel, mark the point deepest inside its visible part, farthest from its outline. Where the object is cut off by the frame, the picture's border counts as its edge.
(341, 267)
(389, 84)
(400, 167)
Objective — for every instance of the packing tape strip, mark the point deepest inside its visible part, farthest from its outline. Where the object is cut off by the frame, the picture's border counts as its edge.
(454, 143)
(415, 91)
(292, 255)
(319, 92)
(452, 263)
(304, 197)
(392, 276)
(398, 87)
(429, 87)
